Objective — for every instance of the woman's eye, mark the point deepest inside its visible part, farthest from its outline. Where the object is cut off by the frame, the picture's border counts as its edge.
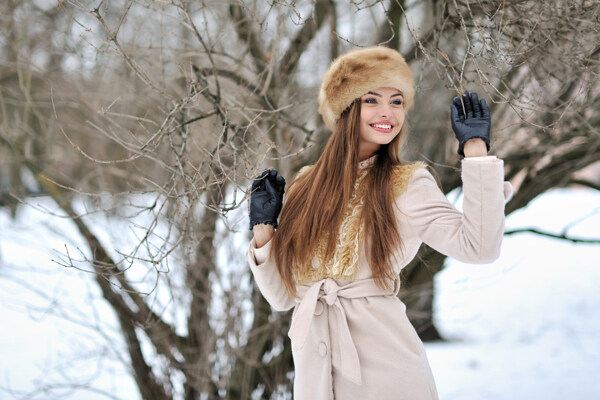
(370, 100)
(397, 102)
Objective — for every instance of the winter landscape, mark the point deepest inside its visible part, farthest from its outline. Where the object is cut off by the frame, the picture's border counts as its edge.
(525, 327)
(131, 130)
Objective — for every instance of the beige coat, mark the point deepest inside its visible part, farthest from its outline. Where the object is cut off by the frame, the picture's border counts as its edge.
(350, 339)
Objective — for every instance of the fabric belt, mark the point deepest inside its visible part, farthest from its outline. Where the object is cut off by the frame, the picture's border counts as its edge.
(330, 291)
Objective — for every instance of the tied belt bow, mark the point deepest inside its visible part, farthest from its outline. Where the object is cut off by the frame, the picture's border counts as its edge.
(330, 291)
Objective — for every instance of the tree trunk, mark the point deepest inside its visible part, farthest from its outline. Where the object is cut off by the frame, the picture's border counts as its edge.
(417, 291)
(201, 338)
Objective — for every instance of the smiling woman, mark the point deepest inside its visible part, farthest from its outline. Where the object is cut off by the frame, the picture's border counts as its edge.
(381, 119)
(353, 220)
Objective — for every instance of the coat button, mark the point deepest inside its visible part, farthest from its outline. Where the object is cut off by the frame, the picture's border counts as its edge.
(319, 308)
(322, 349)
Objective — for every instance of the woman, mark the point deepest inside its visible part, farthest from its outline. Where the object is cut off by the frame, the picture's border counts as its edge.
(353, 220)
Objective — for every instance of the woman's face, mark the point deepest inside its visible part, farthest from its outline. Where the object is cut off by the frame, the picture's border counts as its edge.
(381, 118)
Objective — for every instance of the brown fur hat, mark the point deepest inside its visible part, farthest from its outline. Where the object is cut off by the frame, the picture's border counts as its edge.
(355, 73)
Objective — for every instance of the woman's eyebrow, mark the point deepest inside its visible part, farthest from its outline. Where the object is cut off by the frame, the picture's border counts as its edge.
(378, 95)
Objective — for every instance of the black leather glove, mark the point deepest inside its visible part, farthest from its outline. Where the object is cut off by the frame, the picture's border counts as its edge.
(266, 198)
(474, 124)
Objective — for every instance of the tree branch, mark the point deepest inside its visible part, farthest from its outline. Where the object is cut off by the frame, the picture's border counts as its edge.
(159, 332)
(289, 62)
(552, 235)
(389, 32)
(112, 37)
(105, 267)
(200, 339)
(589, 184)
(557, 172)
(248, 34)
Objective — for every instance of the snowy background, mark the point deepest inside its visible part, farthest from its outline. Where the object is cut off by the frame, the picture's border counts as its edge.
(524, 327)
(528, 325)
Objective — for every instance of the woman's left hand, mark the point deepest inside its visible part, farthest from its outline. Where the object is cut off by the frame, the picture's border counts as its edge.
(472, 122)
(266, 198)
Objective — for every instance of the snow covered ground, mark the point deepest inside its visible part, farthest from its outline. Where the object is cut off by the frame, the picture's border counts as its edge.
(528, 325)
(524, 327)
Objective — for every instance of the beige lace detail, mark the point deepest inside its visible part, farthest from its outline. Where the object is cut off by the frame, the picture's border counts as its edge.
(345, 260)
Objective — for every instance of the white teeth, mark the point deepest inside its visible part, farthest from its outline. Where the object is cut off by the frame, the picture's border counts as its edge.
(381, 126)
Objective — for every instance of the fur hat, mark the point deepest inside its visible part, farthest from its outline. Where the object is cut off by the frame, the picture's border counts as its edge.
(357, 72)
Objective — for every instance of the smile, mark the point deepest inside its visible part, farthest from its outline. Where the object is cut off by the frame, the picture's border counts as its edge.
(382, 126)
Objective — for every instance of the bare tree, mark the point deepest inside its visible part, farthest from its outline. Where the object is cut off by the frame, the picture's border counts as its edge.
(159, 113)
(538, 63)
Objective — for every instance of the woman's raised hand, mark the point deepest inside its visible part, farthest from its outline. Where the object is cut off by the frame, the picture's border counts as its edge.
(266, 198)
(471, 122)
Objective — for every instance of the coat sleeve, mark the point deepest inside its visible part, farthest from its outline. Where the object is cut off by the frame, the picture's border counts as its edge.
(265, 272)
(473, 236)
(267, 277)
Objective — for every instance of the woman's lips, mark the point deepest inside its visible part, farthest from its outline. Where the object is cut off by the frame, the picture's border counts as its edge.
(382, 127)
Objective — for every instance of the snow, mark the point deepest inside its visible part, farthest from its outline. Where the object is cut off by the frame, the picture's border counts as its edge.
(54, 327)
(524, 327)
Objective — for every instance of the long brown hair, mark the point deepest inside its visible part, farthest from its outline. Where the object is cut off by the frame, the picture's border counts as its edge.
(315, 203)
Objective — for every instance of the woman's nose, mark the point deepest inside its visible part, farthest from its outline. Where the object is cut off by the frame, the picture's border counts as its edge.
(385, 111)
